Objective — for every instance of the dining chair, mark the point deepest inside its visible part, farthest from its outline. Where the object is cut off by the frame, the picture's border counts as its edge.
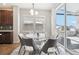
(49, 44)
(26, 42)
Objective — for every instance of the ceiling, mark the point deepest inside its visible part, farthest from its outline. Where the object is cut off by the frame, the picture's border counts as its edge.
(44, 6)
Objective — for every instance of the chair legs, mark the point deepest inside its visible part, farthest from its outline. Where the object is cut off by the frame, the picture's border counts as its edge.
(56, 53)
(57, 50)
(20, 50)
(24, 50)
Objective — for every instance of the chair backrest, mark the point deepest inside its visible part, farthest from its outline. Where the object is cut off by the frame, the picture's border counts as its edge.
(21, 35)
(30, 42)
(48, 44)
(21, 40)
(26, 41)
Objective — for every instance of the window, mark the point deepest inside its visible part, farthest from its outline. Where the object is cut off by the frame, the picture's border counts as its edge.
(71, 20)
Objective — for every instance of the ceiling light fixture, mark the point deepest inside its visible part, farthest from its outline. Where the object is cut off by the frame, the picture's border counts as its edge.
(33, 11)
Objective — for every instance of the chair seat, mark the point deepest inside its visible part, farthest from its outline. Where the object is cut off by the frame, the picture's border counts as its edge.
(29, 48)
(52, 49)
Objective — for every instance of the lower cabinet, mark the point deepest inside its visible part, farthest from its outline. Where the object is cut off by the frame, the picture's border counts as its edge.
(6, 37)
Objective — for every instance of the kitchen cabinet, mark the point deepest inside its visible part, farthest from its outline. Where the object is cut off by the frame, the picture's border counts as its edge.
(6, 37)
(6, 26)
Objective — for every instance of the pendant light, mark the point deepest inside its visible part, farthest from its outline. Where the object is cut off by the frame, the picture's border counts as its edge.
(33, 11)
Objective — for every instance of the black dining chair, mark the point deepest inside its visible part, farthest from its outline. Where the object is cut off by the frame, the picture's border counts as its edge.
(50, 43)
(26, 42)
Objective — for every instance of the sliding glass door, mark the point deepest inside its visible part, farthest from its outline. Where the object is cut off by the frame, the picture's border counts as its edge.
(67, 28)
(60, 28)
(72, 28)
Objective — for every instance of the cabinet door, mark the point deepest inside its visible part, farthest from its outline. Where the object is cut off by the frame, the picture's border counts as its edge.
(11, 37)
(0, 17)
(3, 17)
(2, 38)
(6, 17)
(6, 38)
(9, 17)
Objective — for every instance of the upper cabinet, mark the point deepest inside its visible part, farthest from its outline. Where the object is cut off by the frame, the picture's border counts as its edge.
(6, 19)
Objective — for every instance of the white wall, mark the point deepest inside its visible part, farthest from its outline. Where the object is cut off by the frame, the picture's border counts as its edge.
(15, 24)
(53, 23)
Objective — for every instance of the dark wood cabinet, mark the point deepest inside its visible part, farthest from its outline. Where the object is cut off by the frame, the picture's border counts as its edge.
(6, 37)
(6, 23)
(6, 17)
